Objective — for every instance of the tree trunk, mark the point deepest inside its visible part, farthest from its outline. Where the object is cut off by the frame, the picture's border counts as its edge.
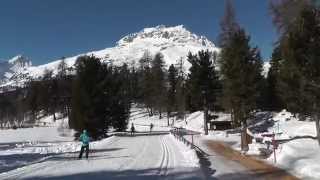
(244, 140)
(316, 119)
(168, 118)
(54, 116)
(232, 119)
(205, 121)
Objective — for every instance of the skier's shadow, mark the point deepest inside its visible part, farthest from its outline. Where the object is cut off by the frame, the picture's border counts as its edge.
(92, 157)
(93, 154)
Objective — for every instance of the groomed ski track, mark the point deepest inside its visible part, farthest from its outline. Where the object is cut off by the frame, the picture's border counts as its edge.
(117, 158)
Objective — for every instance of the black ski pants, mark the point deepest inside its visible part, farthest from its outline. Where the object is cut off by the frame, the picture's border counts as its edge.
(82, 149)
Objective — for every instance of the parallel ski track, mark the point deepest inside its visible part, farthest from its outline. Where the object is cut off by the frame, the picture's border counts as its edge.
(131, 162)
(164, 164)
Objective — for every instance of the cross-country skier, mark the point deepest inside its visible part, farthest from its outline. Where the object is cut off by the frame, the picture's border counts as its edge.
(132, 129)
(84, 138)
(151, 127)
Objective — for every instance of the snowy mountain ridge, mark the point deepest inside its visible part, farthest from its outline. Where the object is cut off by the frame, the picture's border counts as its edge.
(173, 42)
(15, 69)
(177, 34)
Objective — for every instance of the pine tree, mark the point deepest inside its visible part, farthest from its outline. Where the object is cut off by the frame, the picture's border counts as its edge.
(284, 12)
(100, 97)
(145, 82)
(202, 83)
(273, 99)
(241, 72)
(88, 107)
(116, 97)
(241, 68)
(181, 90)
(62, 69)
(172, 91)
(228, 24)
(300, 69)
(158, 83)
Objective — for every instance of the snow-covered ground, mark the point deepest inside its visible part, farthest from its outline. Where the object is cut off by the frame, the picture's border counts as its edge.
(140, 157)
(50, 152)
(29, 145)
(142, 121)
(297, 152)
(42, 153)
(300, 156)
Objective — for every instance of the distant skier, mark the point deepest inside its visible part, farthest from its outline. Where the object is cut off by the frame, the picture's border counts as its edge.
(132, 129)
(151, 127)
(84, 138)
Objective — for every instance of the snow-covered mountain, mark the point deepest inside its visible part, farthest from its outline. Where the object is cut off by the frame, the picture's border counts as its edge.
(266, 68)
(173, 42)
(14, 70)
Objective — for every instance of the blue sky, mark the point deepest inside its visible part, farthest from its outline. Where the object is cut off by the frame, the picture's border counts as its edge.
(45, 30)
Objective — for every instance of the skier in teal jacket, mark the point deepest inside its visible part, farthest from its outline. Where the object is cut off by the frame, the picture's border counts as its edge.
(84, 138)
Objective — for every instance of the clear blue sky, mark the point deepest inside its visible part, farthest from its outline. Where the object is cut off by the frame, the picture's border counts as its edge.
(45, 30)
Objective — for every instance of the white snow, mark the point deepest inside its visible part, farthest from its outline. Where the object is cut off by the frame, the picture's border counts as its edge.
(141, 121)
(144, 156)
(298, 156)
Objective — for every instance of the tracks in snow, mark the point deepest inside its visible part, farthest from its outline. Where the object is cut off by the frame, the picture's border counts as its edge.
(165, 161)
(138, 157)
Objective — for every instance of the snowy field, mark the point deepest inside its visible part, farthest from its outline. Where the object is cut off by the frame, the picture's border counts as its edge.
(25, 146)
(51, 153)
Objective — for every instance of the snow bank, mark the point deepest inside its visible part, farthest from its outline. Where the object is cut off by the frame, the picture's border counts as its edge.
(190, 157)
(287, 126)
(298, 153)
(194, 122)
(42, 148)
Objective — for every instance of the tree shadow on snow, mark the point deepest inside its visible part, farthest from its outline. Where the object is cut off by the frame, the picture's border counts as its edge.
(142, 133)
(91, 157)
(13, 161)
(143, 174)
(258, 174)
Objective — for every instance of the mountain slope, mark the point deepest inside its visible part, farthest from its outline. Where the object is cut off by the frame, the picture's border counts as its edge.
(173, 42)
(14, 70)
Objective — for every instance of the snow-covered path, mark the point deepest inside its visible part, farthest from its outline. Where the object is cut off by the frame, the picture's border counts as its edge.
(139, 157)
